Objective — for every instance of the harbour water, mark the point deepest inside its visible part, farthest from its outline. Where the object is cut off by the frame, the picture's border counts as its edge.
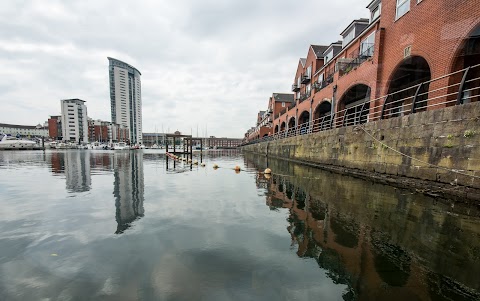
(128, 225)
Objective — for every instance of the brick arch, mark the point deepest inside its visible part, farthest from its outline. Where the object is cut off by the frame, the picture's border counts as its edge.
(461, 60)
(467, 32)
(290, 121)
(322, 116)
(354, 104)
(283, 125)
(399, 94)
(275, 129)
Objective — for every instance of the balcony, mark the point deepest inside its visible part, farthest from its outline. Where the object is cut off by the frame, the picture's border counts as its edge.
(305, 79)
(295, 88)
(304, 96)
(356, 59)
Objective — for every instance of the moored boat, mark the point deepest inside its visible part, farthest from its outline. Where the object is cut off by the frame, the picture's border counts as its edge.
(13, 143)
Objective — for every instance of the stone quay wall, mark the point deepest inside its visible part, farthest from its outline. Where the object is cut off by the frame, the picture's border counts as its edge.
(445, 140)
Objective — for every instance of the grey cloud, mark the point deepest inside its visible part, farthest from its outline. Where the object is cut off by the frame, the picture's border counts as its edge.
(213, 61)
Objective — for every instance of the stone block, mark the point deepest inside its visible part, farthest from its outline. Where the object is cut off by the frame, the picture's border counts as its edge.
(420, 172)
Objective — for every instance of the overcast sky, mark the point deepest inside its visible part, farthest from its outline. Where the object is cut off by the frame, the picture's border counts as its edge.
(207, 64)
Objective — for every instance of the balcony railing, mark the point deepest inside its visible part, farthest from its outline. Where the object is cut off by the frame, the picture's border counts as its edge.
(320, 85)
(295, 88)
(305, 78)
(356, 58)
(304, 96)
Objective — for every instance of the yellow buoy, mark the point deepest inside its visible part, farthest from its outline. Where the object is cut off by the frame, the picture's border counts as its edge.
(267, 175)
(195, 162)
(189, 161)
(237, 168)
(203, 164)
(267, 171)
(215, 166)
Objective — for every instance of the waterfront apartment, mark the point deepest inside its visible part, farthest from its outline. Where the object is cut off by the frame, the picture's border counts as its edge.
(106, 131)
(387, 66)
(74, 120)
(55, 127)
(126, 98)
(24, 130)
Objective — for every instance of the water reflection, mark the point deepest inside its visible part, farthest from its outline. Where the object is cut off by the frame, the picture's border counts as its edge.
(382, 242)
(128, 179)
(128, 189)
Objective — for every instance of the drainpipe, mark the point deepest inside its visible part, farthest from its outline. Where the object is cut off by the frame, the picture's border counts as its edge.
(333, 102)
(310, 124)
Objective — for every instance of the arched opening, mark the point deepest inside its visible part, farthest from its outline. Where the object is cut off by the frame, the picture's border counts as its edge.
(275, 131)
(282, 127)
(265, 135)
(354, 105)
(322, 116)
(468, 55)
(304, 122)
(404, 85)
(291, 126)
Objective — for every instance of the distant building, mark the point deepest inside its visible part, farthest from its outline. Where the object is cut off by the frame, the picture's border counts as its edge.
(221, 143)
(106, 131)
(55, 127)
(74, 120)
(149, 139)
(126, 98)
(24, 130)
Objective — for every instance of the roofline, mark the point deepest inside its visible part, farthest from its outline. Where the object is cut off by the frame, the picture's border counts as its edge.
(113, 59)
(73, 99)
(372, 2)
(311, 47)
(362, 20)
(351, 42)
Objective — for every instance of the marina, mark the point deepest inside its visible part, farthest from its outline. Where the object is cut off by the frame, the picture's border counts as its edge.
(300, 233)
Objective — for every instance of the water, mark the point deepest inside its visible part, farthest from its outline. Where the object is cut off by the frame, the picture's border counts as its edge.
(93, 225)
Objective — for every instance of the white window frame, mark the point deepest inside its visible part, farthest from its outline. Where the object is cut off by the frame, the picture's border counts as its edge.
(401, 3)
(329, 56)
(283, 105)
(365, 41)
(375, 10)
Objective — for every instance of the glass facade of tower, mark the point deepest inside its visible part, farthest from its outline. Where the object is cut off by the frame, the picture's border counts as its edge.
(126, 98)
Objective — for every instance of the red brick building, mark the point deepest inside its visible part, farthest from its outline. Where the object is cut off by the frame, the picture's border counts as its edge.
(409, 56)
(55, 127)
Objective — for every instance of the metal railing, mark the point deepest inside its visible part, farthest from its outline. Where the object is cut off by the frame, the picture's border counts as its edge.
(461, 87)
(356, 59)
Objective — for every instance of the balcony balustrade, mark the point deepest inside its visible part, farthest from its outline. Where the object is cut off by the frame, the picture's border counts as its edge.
(295, 88)
(305, 79)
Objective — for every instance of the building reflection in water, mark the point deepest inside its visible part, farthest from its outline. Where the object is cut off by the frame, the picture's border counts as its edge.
(128, 188)
(383, 243)
(128, 183)
(76, 167)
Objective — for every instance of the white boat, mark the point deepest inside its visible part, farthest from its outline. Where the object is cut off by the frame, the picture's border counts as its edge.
(97, 145)
(9, 142)
(120, 146)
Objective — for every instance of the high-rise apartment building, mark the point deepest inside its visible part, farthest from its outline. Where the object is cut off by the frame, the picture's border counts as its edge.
(74, 120)
(126, 98)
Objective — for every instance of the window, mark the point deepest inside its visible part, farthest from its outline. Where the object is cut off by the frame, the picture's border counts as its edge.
(283, 105)
(309, 71)
(368, 45)
(349, 37)
(403, 6)
(329, 56)
(320, 78)
(376, 12)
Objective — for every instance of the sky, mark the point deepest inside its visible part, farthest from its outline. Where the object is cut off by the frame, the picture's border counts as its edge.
(209, 65)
